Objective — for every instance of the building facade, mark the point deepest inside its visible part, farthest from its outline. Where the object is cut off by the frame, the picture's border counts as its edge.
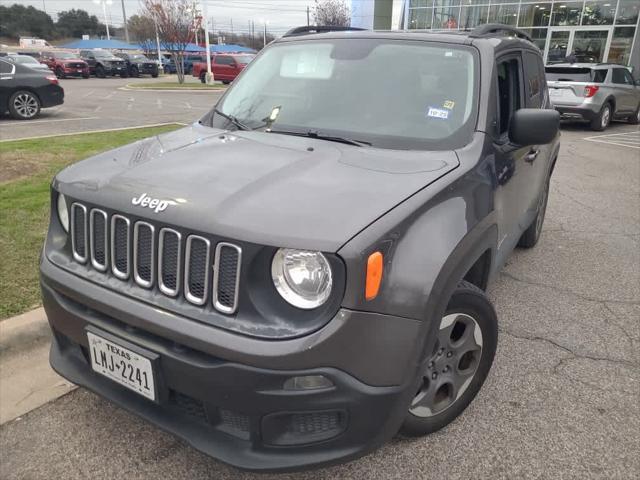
(593, 30)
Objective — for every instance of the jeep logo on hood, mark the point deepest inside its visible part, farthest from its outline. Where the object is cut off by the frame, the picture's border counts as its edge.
(153, 203)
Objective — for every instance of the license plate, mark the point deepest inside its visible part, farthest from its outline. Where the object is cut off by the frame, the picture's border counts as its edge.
(122, 365)
(80, 70)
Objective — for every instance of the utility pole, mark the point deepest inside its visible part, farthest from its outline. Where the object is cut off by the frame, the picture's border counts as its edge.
(44, 6)
(307, 15)
(208, 76)
(126, 28)
(160, 66)
(104, 4)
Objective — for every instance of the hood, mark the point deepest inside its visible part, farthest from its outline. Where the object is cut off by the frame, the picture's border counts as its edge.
(72, 60)
(258, 187)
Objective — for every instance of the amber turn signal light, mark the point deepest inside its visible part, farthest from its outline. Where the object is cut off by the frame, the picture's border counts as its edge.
(374, 275)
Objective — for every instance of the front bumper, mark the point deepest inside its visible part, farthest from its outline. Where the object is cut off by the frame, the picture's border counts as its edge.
(226, 398)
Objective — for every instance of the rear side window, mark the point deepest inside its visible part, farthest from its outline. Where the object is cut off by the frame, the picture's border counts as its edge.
(509, 88)
(5, 67)
(575, 74)
(534, 80)
(618, 76)
(224, 61)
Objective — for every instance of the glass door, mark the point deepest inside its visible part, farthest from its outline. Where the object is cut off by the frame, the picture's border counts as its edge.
(589, 45)
(558, 45)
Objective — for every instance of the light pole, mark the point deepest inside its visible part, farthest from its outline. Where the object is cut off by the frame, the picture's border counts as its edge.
(264, 32)
(104, 4)
(208, 77)
(126, 28)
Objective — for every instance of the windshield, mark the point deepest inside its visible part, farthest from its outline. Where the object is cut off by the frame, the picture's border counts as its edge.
(575, 74)
(138, 57)
(388, 93)
(24, 59)
(64, 55)
(105, 55)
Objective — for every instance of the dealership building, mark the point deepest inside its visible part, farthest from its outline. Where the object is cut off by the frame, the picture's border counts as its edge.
(594, 30)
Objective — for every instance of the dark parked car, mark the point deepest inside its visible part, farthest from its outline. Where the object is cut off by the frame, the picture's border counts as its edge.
(102, 63)
(24, 90)
(138, 64)
(65, 64)
(28, 61)
(301, 274)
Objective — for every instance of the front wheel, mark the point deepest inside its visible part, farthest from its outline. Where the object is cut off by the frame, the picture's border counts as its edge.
(601, 121)
(100, 73)
(135, 72)
(203, 77)
(531, 235)
(60, 73)
(455, 370)
(635, 118)
(24, 105)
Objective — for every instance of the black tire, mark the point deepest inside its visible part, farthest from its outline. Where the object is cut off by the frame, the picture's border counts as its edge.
(226, 82)
(60, 73)
(601, 121)
(635, 118)
(468, 301)
(135, 72)
(203, 77)
(123, 75)
(532, 234)
(24, 105)
(154, 75)
(85, 75)
(100, 73)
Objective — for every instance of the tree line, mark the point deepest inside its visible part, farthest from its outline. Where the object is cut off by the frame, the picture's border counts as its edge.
(19, 21)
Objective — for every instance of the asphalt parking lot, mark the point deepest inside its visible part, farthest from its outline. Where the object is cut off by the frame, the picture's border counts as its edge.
(104, 103)
(562, 400)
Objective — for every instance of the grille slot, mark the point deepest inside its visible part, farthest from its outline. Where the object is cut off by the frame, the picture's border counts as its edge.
(120, 246)
(226, 277)
(143, 247)
(79, 232)
(197, 260)
(98, 239)
(169, 262)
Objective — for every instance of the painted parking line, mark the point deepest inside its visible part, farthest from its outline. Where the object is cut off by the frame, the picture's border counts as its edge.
(22, 122)
(627, 139)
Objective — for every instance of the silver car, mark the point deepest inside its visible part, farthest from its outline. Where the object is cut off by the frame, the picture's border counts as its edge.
(598, 93)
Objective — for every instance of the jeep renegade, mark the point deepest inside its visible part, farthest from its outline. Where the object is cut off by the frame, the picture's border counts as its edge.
(300, 275)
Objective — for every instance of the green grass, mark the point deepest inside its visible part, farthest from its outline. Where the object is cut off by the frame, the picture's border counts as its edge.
(26, 169)
(176, 86)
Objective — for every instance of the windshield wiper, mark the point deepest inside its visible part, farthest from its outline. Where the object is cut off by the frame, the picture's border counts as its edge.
(232, 119)
(321, 136)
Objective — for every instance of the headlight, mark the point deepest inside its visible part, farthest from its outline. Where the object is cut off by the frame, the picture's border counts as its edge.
(302, 278)
(63, 212)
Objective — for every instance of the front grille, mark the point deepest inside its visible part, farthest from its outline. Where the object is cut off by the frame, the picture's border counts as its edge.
(75, 65)
(188, 405)
(142, 253)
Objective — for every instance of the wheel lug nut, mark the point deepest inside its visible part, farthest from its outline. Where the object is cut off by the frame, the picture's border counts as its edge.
(441, 351)
(445, 369)
(434, 375)
(430, 364)
(449, 354)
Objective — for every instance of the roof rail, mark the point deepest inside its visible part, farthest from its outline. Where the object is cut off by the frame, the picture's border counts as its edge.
(490, 29)
(319, 29)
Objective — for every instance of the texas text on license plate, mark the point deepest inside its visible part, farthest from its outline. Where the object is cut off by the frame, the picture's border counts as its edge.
(122, 365)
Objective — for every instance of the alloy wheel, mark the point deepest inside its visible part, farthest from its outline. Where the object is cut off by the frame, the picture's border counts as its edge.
(606, 116)
(26, 105)
(452, 366)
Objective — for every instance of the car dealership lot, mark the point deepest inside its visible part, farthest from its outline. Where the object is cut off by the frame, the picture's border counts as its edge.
(104, 103)
(561, 400)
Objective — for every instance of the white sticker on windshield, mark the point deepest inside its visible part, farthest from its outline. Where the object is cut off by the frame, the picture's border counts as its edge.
(438, 113)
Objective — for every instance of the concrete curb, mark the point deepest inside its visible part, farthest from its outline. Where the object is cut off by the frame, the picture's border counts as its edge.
(26, 379)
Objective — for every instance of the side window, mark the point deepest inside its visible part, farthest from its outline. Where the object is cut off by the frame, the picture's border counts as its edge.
(5, 67)
(629, 77)
(217, 60)
(533, 81)
(221, 60)
(618, 76)
(599, 76)
(509, 88)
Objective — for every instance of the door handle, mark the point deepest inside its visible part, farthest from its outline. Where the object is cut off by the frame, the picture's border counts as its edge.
(532, 155)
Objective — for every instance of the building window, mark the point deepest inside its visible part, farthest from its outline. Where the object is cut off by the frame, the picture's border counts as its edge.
(566, 13)
(620, 49)
(471, 17)
(446, 15)
(535, 15)
(628, 12)
(538, 35)
(420, 18)
(507, 14)
(599, 12)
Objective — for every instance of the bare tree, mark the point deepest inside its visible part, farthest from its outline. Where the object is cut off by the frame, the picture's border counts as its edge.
(334, 13)
(143, 30)
(174, 19)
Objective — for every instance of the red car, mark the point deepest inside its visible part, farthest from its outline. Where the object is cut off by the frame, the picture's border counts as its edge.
(65, 64)
(225, 67)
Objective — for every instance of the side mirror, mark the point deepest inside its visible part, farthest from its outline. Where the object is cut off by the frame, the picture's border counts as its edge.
(534, 126)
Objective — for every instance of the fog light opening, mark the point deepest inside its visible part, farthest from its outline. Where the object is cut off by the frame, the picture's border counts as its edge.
(307, 382)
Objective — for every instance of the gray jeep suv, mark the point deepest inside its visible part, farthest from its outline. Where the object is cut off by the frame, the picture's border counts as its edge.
(598, 93)
(301, 274)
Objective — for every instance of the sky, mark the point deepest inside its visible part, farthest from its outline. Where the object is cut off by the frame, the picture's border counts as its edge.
(280, 15)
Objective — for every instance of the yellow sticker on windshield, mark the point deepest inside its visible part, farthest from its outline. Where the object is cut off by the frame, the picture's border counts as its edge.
(449, 104)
